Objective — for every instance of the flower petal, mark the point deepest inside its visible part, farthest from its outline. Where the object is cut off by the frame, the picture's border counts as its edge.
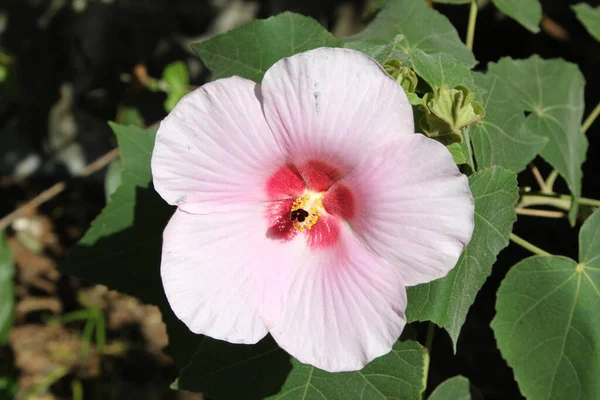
(213, 267)
(413, 207)
(333, 105)
(342, 308)
(215, 151)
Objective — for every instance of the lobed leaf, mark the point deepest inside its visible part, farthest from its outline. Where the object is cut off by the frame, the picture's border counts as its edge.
(265, 371)
(552, 91)
(441, 68)
(421, 26)
(503, 137)
(547, 323)
(446, 301)
(248, 51)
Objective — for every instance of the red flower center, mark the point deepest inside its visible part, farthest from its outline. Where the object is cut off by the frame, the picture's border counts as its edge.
(308, 199)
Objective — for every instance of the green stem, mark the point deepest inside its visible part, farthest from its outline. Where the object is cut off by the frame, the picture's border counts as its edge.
(549, 186)
(561, 201)
(471, 27)
(430, 336)
(591, 118)
(76, 389)
(528, 246)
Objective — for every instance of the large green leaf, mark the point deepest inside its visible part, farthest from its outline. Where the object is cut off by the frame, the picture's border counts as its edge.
(455, 388)
(265, 371)
(441, 68)
(503, 137)
(7, 290)
(122, 247)
(547, 323)
(526, 12)
(552, 91)
(446, 301)
(589, 17)
(421, 26)
(248, 51)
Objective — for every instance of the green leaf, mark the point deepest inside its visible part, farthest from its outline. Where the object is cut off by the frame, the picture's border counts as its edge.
(446, 301)
(526, 12)
(131, 116)
(250, 50)
(455, 388)
(503, 137)
(457, 152)
(452, 1)
(406, 17)
(112, 179)
(7, 290)
(552, 91)
(441, 68)
(264, 370)
(547, 323)
(589, 242)
(589, 17)
(177, 78)
(122, 248)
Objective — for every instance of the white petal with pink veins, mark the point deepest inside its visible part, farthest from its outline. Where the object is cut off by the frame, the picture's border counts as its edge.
(413, 207)
(215, 151)
(333, 105)
(214, 269)
(344, 307)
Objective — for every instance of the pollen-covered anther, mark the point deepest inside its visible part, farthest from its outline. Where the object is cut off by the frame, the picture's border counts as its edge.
(306, 210)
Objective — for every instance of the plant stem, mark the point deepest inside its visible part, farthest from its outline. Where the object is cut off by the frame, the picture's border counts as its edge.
(562, 201)
(56, 189)
(541, 213)
(430, 336)
(591, 118)
(528, 246)
(471, 27)
(538, 178)
(550, 182)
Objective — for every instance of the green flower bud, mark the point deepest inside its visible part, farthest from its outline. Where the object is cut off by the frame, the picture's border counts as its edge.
(448, 111)
(405, 76)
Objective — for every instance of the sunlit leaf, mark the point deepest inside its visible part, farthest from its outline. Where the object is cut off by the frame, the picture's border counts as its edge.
(421, 26)
(446, 301)
(248, 51)
(441, 68)
(177, 78)
(547, 323)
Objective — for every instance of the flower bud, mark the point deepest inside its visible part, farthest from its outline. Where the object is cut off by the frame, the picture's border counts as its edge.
(448, 111)
(405, 76)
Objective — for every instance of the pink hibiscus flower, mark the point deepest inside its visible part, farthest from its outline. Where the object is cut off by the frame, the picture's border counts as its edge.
(305, 206)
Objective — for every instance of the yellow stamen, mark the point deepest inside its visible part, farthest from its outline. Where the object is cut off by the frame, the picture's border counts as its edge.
(306, 210)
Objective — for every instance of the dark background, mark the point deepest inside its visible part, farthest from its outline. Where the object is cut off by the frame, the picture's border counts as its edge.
(91, 49)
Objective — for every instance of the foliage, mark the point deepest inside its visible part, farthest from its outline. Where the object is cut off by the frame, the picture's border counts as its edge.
(7, 300)
(494, 123)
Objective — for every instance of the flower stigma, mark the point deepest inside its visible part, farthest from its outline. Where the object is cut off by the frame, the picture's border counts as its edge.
(306, 210)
